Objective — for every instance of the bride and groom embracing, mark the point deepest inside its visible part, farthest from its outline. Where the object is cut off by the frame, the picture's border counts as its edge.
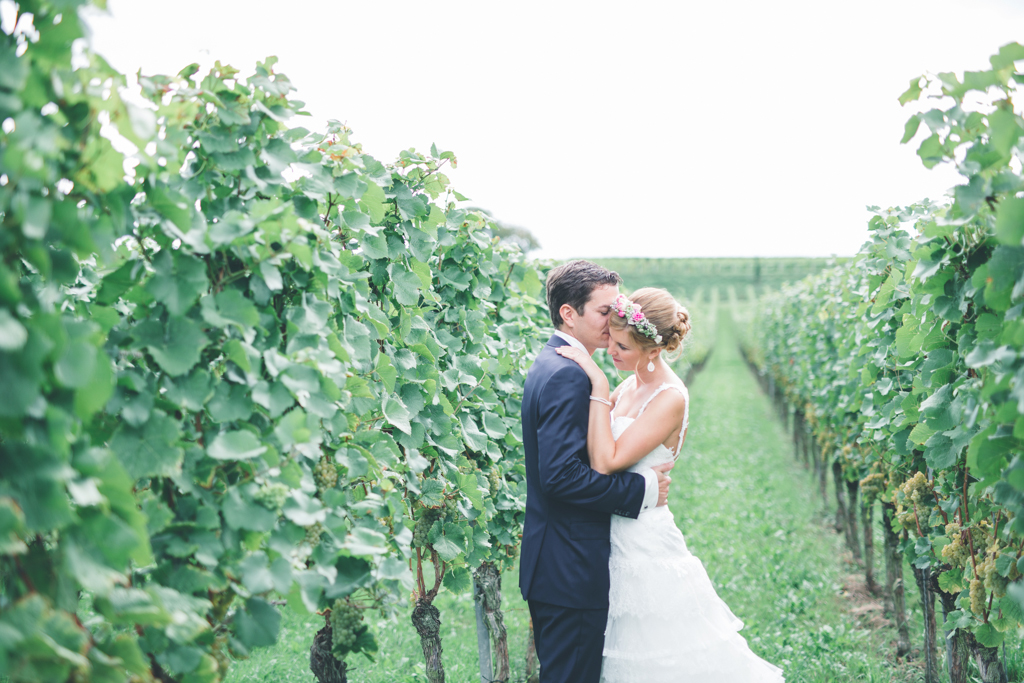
(614, 593)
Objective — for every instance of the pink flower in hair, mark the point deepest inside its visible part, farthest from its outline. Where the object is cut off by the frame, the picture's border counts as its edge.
(637, 316)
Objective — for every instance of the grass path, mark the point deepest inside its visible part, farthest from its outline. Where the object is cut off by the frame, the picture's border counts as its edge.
(747, 511)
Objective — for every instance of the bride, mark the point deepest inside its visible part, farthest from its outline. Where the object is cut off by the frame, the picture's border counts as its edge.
(665, 621)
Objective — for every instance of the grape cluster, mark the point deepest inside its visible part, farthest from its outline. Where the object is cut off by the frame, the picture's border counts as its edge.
(313, 534)
(913, 490)
(325, 474)
(991, 577)
(956, 551)
(494, 481)
(872, 486)
(421, 531)
(916, 487)
(346, 625)
(906, 518)
(450, 505)
(977, 597)
(272, 496)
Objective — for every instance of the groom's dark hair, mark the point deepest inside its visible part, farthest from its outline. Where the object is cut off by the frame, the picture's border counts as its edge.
(571, 283)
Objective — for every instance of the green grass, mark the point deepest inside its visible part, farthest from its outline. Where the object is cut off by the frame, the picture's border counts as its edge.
(748, 510)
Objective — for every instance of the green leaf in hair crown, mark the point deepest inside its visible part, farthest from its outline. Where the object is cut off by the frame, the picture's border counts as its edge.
(634, 316)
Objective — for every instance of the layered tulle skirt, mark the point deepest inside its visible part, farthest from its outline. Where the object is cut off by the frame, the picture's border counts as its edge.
(665, 621)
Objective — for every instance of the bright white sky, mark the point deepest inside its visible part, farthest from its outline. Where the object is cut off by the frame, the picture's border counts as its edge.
(673, 129)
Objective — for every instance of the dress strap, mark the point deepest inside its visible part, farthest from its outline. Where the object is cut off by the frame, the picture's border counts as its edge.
(686, 411)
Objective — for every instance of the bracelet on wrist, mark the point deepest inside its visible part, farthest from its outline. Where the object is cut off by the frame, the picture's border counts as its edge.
(601, 400)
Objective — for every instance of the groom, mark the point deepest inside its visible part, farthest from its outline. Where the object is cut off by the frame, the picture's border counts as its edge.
(563, 573)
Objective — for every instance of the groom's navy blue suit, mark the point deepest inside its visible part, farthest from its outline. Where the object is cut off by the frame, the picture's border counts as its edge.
(563, 572)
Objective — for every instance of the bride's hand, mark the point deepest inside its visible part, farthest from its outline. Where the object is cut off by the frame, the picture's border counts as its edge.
(596, 375)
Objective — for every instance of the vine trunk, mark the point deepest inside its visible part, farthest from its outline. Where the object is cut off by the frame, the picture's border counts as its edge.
(427, 620)
(895, 596)
(325, 666)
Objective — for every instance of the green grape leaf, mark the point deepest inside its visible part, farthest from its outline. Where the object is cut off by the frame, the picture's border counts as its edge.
(229, 307)
(76, 365)
(178, 281)
(132, 606)
(1004, 131)
(1011, 606)
(472, 435)
(304, 510)
(469, 487)
(448, 540)
(353, 574)
(243, 513)
(494, 426)
(458, 580)
(952, 581)
(13, 334)
(910, 129)
(1010, 221)
(150, 450)
(94, 394)
(176, 347)
(190, 392)
(169, 204)
(988, 636)
(1004, 563)
(256, 574)
(12, 528)
(363, 541)
(913, 92)
(396, 413)
(431, 493)
(238, 445)
(1007, 55)
(406, 286)
(387, 372)
(258, 624)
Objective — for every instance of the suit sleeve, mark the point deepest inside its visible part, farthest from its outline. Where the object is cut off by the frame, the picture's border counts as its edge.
(562, 443)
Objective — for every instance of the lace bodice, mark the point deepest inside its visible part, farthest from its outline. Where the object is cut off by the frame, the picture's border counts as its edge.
(661, 453)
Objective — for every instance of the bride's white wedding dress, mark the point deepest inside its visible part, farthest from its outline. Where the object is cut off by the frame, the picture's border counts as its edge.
(665, 621)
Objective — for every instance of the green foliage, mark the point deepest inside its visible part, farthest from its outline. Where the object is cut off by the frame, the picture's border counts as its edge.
(348, 632)
(236, 372)
(697, 280)
(733, 481)
(908, 361)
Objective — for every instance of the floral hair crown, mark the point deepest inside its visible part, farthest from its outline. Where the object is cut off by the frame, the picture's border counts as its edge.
(631, 311)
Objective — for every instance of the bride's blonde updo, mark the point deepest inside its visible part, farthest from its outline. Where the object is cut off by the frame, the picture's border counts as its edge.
(670, 319)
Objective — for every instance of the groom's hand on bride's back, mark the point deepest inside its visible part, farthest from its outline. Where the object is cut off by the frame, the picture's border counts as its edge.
(663, 481)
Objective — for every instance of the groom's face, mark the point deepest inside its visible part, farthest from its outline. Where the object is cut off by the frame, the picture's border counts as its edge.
(591, 328)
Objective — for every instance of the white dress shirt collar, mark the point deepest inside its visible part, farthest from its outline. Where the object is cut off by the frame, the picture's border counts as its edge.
(573, 341)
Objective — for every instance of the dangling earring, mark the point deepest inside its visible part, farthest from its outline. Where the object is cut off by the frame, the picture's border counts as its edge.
(650, 366)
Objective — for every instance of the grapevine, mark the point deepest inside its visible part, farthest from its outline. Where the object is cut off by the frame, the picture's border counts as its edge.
(421, 531)
(325, 474)
(272, 496)
(313, 534)
(346, 627)
(246, 357)
(890, 363)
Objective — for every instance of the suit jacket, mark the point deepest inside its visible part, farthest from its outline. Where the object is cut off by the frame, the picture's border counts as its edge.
(568, 505)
